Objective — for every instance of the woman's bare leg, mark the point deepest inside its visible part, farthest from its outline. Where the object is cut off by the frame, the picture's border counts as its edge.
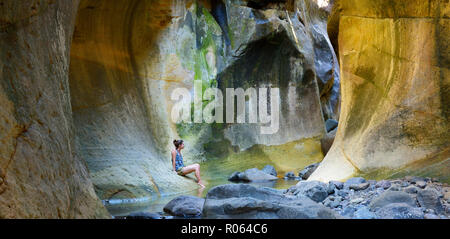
(194, 168)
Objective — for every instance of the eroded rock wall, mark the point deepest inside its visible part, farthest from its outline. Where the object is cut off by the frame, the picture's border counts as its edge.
(41, 174)
(394, 58)
(128, 57)
(118, 75)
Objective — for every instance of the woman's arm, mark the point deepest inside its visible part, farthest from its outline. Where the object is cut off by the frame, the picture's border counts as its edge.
(174, 154)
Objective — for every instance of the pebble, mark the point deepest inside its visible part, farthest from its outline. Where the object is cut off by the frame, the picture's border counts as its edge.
(358, 187)
(421, 184)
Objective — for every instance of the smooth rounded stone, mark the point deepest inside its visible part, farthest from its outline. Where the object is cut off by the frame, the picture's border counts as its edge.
(235, 177)
(239, 201)
(144, 215)
(331, 188)
(385, 184)
(289, 175)
(185, 206)
(411, 189)
(429, 198)
(364, 213)
(399, 211)
(332, 201)
(339, 185)
(395, 188)
(315, 190)
(357, 200)
(390, 197)
(447, 196)
(421, 184)
(359, 187)
(331, 124)
(269, 169)
(308, 170)
(352, 181)
(253, 175)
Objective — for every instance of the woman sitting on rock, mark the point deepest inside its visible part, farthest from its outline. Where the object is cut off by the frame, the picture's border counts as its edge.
(178, 165)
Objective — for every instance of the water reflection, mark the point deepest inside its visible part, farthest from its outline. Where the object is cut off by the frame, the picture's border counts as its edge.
(292, 156)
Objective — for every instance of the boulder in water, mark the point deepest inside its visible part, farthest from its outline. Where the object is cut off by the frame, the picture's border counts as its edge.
(185, 206)
(236, 201)
(308, 170)
(269, 169)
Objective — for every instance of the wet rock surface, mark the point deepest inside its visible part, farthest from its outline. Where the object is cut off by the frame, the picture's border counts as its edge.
(359, 198)
(250, 202)
(308, 170)
(270, 170)
(314, 199)
(251, 175)
(185, 206)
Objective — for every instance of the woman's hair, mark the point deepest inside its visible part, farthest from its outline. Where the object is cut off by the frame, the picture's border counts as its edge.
(177, 143)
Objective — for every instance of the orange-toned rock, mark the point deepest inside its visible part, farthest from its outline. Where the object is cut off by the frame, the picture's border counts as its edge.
(394, 58)
(41, 174)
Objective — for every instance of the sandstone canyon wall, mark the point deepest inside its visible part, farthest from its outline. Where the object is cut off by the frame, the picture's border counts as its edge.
(128, 57)
(394, 120)
(41, 173)
(92, 111)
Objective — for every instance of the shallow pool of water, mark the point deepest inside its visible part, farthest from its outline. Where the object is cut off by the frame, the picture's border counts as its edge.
(293, 156)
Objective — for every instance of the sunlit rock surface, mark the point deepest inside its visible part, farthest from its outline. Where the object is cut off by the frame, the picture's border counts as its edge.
(394, 120)
(118, 77)
(41, 174)
(128, 57)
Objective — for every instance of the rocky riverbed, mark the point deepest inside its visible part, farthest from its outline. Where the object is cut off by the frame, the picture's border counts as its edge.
(410, 197)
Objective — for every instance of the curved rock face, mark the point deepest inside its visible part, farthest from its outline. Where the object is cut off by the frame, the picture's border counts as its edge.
(41, 175)
(395, 99)
(118, 79)
(105, 105)
(128, 57)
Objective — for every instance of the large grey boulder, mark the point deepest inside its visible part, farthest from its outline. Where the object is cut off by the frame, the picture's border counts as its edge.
(185, 206)
(331, 124)
(251, 175)
(255, 175)
(353, 181)
(235, 177)
(399, 211)
(429, 198)
(269, 169)
(358, 187)
(308, 170)
(315, 190)
(389, 197)
(238, 201)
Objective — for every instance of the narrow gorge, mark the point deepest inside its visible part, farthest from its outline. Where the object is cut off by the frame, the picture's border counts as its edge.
(86, 101)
